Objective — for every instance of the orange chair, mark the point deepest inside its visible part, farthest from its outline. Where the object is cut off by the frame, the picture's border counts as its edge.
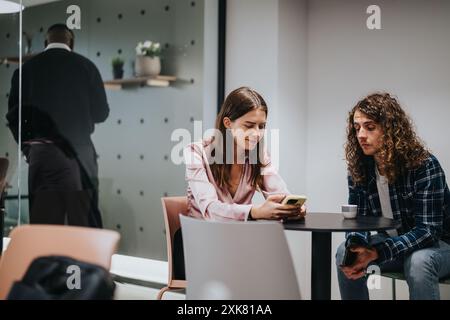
(29, 242)
(172, 207)
(4, 163)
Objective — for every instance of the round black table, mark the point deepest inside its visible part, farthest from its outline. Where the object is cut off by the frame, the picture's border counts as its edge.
(322, 225)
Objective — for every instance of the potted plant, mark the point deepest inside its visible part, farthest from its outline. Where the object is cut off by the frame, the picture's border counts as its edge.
(117, 64)
(148, 62)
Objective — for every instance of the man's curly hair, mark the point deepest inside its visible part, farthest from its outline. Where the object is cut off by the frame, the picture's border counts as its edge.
(401, 149)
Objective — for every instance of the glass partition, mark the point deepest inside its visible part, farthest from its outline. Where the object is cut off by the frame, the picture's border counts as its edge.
(100, 115)
(11, 50)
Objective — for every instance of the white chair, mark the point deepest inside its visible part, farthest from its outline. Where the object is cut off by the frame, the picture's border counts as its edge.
(237, 260)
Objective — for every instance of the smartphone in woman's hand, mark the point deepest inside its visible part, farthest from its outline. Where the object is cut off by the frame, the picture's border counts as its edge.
(293, 199)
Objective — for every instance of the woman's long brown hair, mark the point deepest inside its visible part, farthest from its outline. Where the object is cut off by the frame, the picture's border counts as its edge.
(238, 103)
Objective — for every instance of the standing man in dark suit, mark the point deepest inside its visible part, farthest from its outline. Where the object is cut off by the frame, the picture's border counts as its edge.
(63, 97)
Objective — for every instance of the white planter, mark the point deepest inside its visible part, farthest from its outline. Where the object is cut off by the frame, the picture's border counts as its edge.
(147, 66)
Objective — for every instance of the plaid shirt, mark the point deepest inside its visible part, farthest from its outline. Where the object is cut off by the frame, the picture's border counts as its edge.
(420, 201)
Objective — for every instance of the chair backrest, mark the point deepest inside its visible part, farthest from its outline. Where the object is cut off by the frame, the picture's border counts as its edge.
(4, 163)
(29, 242)
(237, 260)
(172, 208)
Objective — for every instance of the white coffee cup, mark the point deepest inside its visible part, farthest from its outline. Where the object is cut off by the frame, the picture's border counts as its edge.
(349, 211)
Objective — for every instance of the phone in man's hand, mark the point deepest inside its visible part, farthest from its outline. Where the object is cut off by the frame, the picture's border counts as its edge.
(349, 257)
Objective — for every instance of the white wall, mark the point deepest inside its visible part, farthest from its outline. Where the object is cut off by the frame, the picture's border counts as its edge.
(251, 46)
(264, 53)
(408, 57)
(260, 53)
(210, 62)
(344, 62)
(291, 111)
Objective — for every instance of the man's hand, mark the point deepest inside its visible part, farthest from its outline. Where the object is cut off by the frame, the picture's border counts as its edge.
(364, 257)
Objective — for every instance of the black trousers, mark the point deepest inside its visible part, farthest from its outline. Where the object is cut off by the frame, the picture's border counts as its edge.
(60, 189)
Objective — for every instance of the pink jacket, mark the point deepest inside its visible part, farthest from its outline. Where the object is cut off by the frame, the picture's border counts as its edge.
(207, 200)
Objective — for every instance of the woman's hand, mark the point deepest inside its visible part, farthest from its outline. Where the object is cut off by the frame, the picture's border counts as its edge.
(272, 209)
(300, 214)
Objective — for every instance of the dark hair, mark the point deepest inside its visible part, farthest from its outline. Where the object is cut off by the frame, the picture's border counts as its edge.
(401, 149)
(238, 103)
(60, 33)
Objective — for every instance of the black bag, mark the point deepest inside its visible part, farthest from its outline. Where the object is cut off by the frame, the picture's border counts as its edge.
(63, 278)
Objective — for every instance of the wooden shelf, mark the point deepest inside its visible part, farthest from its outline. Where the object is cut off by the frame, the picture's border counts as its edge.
(11, 60)
(157, 81)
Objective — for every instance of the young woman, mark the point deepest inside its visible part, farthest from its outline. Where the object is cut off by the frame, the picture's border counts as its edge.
(224, 171)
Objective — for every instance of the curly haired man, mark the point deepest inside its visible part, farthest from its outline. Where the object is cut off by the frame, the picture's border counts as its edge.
(392, 174)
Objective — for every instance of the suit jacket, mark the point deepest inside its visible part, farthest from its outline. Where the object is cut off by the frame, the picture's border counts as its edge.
(63, 88)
